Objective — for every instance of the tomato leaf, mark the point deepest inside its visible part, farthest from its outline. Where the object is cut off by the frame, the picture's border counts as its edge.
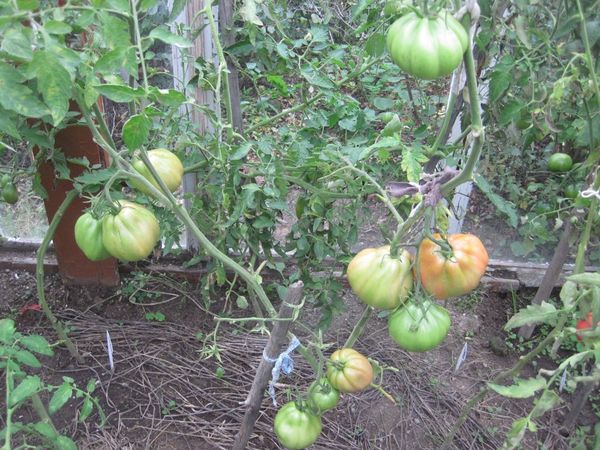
(54, 83)
(248, 12)
(86, 409)
(65, 443)
(412, 158)
(375, 45)
(45, 429)
(547, 401)
(533, 314)
(523, 388)
(27, 358)
(7, 330)
(499, 202)
(17, 43)
(136, 131)
(162, 33)
(589, 278)
(60, 397)
(29, 386)
(516, 433)
(18, 97)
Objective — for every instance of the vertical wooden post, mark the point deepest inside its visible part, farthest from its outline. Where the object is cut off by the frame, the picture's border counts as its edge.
(74, 141)
(227, 39)
(263, 373)
(183, 71)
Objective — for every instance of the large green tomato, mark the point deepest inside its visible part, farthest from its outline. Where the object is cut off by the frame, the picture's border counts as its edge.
(427, 47)
(378, 279)
(560, 162)
(88, 235)
(4, 180)
(10, 193)
(296, 427)
(419, 328)
(130, 234)
(167, 165)
(349, 371)
(323, 395)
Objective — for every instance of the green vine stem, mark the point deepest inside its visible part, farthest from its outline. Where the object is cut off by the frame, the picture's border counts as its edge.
(588, 52)
(359, 327)
(41, 411)
(39, 275)
(138, 42)
(9, 411)
(587, 230)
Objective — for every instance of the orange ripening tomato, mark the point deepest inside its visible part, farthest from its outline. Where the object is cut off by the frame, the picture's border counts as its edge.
(585, 324)
(451, 275)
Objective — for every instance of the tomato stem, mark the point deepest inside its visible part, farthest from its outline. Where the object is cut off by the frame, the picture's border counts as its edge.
(359, 327)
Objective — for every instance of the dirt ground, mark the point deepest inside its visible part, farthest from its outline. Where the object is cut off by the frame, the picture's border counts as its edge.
(166, 394)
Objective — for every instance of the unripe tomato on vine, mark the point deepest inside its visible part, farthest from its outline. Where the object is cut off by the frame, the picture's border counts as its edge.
(295, 426)
(454, 271)
(427, 47)
(419, 327)
(168, 167)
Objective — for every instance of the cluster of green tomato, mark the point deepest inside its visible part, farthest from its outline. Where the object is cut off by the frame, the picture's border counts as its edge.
(8, 190)
(298, 424)
(130, 232)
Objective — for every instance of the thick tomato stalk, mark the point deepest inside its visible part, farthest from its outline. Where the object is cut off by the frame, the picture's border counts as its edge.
(427, 47)
(132, 233)
(349, 371)
(419, 328)
(380, 280)
(296, 427)
(451, 275)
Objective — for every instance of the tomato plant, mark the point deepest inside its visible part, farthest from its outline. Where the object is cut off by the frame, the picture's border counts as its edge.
(10, 193)
(427, 47)
(378, 279)
(131, 233)
(349, 371)
(295, 426)
(419, 327)
(88, 236)
(458, 272)
(323, 395)
(167, 166)
(560, 162)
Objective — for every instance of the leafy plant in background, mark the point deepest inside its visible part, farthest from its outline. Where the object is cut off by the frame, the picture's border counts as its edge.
(17, 357)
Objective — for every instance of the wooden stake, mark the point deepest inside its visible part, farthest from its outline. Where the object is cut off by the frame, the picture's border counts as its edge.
(276, 341)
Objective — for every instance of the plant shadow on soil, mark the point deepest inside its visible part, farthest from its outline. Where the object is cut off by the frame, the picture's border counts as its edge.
(164, 394)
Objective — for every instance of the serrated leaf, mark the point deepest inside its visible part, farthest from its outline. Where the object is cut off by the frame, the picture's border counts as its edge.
(121, 57)
(360, 6)
(315, 78)
(119, 93)
(115, 31)
(548, 400)
(145, 5)
(7, 330)
(86, 409)
(499, 202)
(29, 386)
(17, 42)
(18, 97)
(375, 45)
(533, 314)
(521, 30)
(37, 344)
(510, 112)
(568, 294)
(412, 160)
(167, 97)
(248, 12)
(523, 388)
(27, 358)
(500, 81)
(8, 123)
(241, 151)
(120, 5)
(60, 397)
(28, 5)
(588, 278)
(162, 33)
(54, 83)
(91, 386)
(136, 131)
(516, 433)
(57, 27)
(64, 443)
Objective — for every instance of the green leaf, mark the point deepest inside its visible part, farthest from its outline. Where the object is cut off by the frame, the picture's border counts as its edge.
(145, 5)
(412, 159)
(37, 344)
(136, 131)
(533, 314)
(568, 294)
(375, 45)
(64, 443)
(7, 330)
(383, 103)
(45, 429)
(360, 6)
(178, 6)
(523, 388)
(588, 278)
(119, 93)
(241, 152)
(29, 386)
(241, 302)
(115, 31)
(57, 27)
(54, 83)
(315, 78)
(162, 33)
(501, 78)
(516, 433)
(521, 31)
(27, 358)
(86, 409)
(547, 401)
(510, 112)
(17, 42)
(499, 202)
(28, 5)
(248, 12)
(167, 97)
(8, 123)
(17, 97)
(121, 57)
(91, 386)
(120, 5)
(60, 397)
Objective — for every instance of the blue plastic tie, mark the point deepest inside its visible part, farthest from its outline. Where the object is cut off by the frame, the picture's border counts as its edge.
(462, 357)
(283, 363)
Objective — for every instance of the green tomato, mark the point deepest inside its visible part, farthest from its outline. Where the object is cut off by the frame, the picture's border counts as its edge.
(380, 280)
(425, 47)
(10, 194)
(571, 191)
(88, 235)
(4, 180)
(296, 427)
(560, 162)
(419, 328)
(323, 395)
(167, 165)
(132, 233)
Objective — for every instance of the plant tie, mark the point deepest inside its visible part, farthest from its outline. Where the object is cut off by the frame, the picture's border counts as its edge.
(283, 363)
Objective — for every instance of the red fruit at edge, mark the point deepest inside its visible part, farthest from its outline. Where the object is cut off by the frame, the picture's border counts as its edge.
(584, 324)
